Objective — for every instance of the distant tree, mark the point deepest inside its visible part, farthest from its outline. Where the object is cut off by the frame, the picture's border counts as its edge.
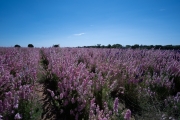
(165, 47)
(103, 46)
(152, 46)
(109, 46)
(176, 47)
(158, 46)
(17, 45)
(143, 47)
(135, 46)
(128, 46)
(116, 46)
(30, 45)
(168, 47)
(98, 45)
(56, 45)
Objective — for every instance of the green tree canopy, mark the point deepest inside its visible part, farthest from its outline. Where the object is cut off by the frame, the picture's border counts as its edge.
(57, 45)
(17, 45)
(30, 45)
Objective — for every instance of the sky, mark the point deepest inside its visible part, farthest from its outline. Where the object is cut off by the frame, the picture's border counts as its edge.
(72, 23)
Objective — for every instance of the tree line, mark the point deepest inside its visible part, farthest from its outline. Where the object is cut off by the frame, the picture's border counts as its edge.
(31, 45)
(136, 46)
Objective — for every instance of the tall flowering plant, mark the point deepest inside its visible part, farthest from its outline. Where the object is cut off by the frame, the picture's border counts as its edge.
(18, 70)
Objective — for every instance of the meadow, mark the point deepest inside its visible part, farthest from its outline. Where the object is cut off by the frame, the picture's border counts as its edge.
(89, 84)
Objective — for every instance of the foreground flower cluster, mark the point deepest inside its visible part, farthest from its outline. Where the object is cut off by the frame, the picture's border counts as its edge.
(18, 73)
(114, 84)
(89, 83)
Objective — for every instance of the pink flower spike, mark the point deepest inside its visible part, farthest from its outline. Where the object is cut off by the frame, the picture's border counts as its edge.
(115, 106)
(61, 96)
(52, 94)
(16, 106)
(105, 118)
(72, 100)
(17, 117)
(1, 117)
(127, 115)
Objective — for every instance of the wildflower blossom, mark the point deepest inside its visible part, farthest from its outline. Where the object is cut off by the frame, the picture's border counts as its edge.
(61, 96)
(1, 117)
(16, 106)
(115, 106)
(17, 117)
(127, 115)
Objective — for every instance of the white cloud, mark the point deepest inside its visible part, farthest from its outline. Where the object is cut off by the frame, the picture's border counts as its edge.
(79, 34)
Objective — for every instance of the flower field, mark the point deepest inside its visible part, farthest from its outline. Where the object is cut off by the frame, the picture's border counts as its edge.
(18, 74)
(89, 84)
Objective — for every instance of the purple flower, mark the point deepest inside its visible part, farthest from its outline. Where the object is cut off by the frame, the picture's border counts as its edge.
(127, 115)
(17, 117)
(105, 118)
(16, 106)
(115, 106)
(72, 100)
(61, 96)
(76, 117)
(1, 106)
(71, 112)
(1, 117)
(52, 93)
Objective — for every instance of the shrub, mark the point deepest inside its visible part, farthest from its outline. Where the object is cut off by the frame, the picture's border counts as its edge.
(56, 45)
(30, 45)
(17, 45)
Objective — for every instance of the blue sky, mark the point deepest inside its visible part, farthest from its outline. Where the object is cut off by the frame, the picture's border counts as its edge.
(73, 23)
